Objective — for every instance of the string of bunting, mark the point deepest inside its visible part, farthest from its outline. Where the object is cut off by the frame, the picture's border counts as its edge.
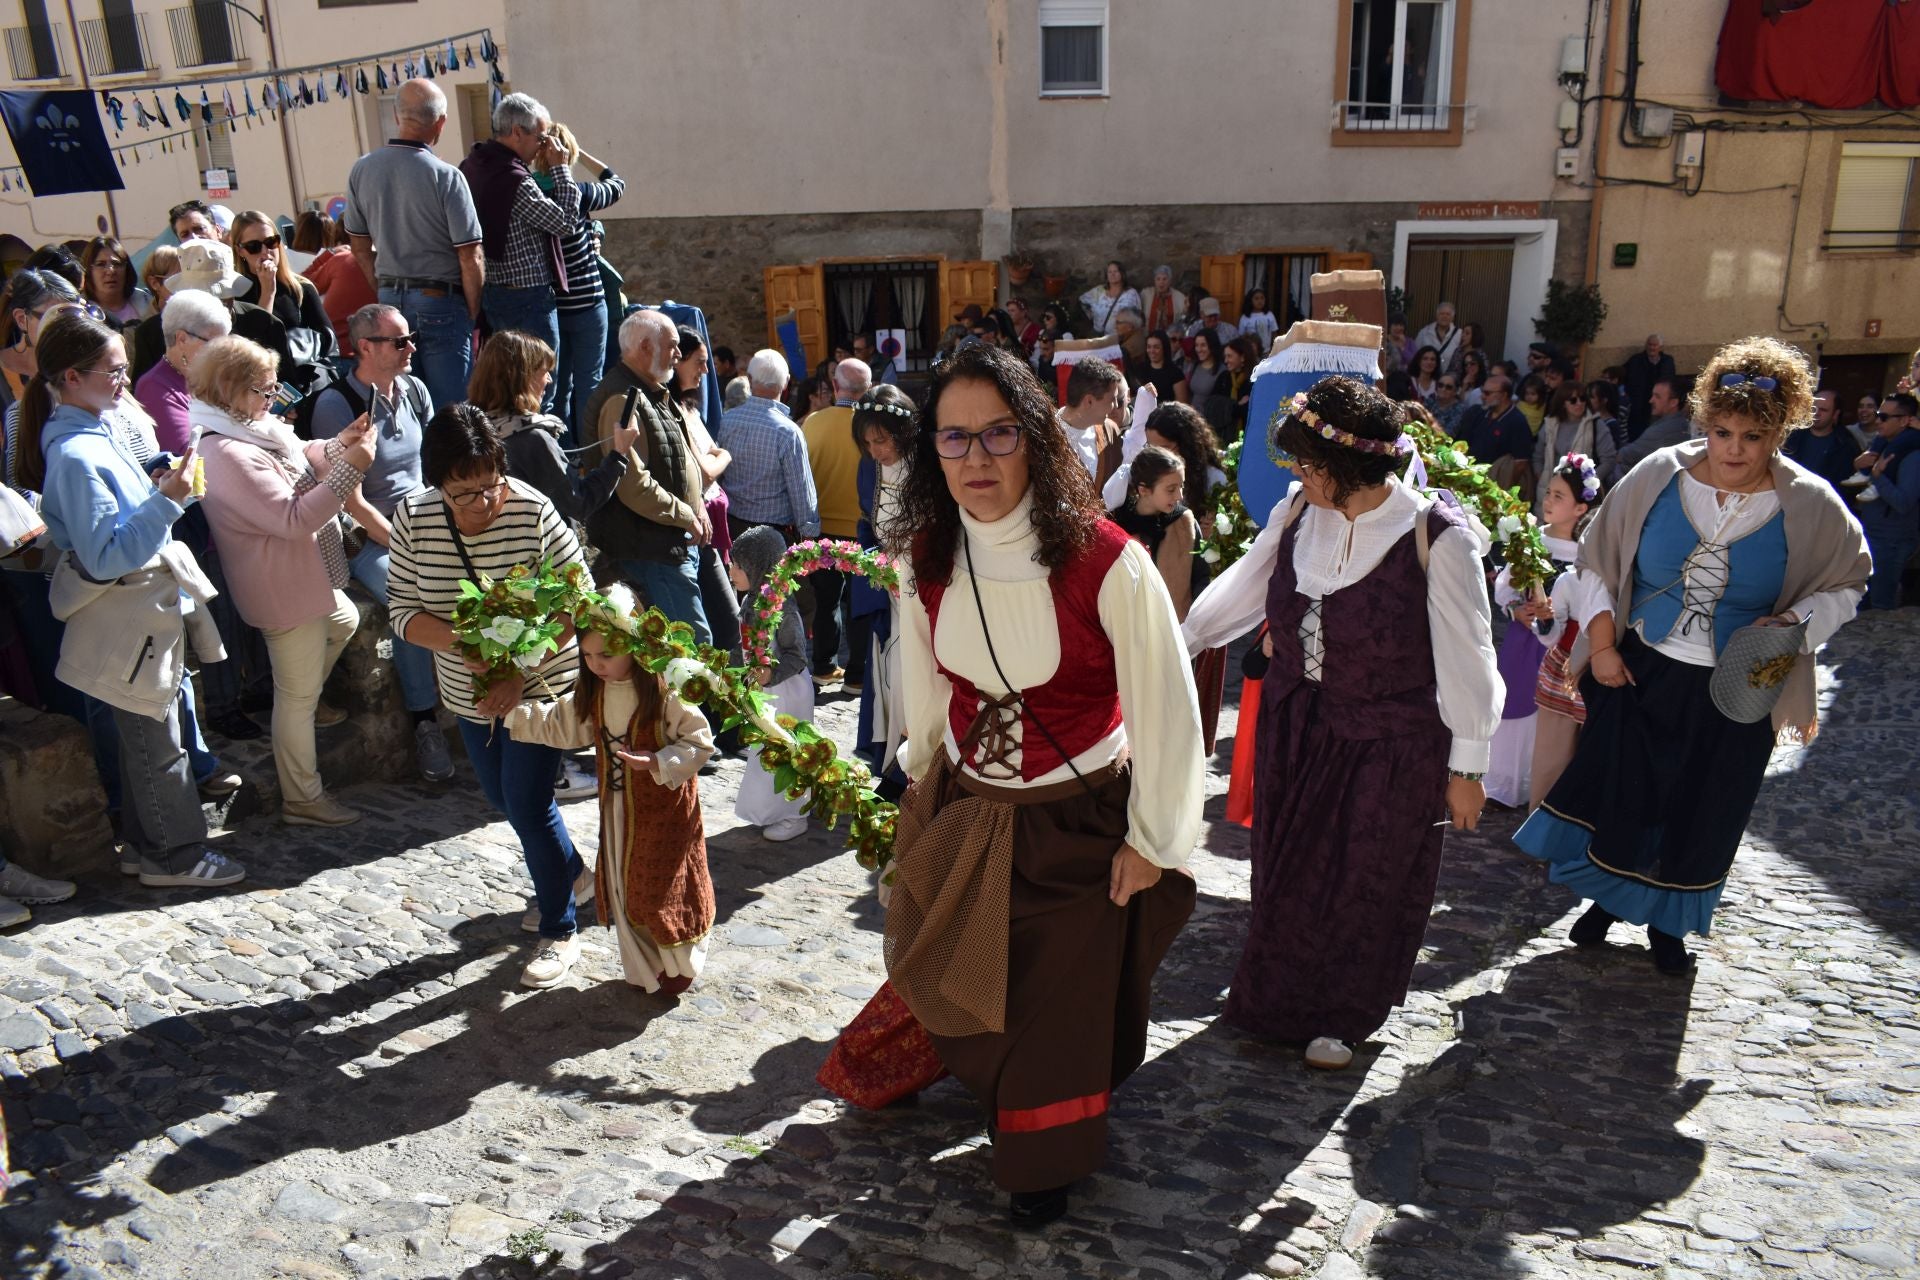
(287, 89)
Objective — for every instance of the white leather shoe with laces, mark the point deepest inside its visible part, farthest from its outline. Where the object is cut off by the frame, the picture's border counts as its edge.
(551, 960)
(1328, 1054)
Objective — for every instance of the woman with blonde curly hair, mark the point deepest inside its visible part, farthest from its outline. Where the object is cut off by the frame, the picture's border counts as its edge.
(1698, 541)
(274, 503)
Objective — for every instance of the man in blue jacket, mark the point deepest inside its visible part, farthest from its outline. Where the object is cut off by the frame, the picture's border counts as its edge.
(1891, 516)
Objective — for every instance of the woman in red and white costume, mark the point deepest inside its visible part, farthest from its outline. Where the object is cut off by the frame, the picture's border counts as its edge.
(1054, 737)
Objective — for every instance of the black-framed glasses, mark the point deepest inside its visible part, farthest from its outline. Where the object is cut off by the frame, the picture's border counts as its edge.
(1884, 416)
(999, 442)
(491, 493)
(204, 337)
(261, 245)
(403, 342)
(1759, 382)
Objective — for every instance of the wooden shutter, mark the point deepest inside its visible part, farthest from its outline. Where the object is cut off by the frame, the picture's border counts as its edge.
(1223, 276)
(964, 284)
(799, 290)
(1349, 262)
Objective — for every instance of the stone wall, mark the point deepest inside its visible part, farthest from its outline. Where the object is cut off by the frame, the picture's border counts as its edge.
(716, 263)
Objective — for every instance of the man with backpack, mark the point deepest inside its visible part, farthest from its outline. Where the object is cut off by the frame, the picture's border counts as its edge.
(381, 385)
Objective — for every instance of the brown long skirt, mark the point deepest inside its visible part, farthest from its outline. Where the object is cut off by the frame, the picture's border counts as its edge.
(1079, 970)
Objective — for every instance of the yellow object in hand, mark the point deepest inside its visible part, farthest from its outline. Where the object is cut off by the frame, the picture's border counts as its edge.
(198, 488)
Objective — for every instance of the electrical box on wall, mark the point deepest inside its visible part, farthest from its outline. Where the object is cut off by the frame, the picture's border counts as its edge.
(1566, 162)
(1653, 122)
(1691, 151)
(1625, 254)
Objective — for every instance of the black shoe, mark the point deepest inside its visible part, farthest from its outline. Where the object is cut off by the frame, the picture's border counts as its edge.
(1590, 930)
(1037, 1208)
(1670, 954)
(235, 726)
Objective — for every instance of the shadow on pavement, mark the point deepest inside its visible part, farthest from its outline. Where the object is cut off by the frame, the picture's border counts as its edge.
(1556, 1110)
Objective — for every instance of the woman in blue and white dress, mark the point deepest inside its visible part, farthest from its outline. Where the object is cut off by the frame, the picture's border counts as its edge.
(1699, 540)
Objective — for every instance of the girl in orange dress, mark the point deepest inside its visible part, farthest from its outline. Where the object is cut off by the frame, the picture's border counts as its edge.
(652, 885)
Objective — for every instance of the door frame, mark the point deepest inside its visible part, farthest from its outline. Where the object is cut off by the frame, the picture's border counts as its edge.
(1534, 242)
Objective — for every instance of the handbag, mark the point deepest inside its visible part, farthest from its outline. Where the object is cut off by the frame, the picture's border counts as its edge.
(1752, 670)
(20, 525)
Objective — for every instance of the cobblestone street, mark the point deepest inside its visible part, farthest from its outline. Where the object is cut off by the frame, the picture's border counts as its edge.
(336, 1073)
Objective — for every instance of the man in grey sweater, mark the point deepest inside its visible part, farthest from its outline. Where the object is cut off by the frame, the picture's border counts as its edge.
(1670, 425)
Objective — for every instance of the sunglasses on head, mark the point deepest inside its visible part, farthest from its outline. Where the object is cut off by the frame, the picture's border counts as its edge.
(1759, 383)
(262, 245)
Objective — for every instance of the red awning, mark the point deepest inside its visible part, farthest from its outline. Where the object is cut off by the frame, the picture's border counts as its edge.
(1840, 54)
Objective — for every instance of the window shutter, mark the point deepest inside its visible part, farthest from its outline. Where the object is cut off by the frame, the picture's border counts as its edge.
(1224, 276)
(969, 283)
(797, 290)
(1870, 197)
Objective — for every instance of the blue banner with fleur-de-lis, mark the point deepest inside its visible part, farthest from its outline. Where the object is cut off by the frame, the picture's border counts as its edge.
(60, 142)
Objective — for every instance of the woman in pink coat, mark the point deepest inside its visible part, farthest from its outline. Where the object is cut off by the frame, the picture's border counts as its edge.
(274, 502)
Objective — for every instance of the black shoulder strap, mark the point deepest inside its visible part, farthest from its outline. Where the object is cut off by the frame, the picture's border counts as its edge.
(459, 544)
(417, 397)
(352, 397)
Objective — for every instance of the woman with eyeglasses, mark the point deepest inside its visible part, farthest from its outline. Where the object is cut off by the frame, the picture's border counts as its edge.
(476, 520)
(1055, 745)
(1698, 541)
(1571, 426)
(111, 282)
(274, 502)
(123, 589)
(272, 286)
(1375, 718)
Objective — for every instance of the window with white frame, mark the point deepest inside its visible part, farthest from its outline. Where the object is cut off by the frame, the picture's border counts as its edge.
(1400, 65)
(1073, 47)
(1875, 204)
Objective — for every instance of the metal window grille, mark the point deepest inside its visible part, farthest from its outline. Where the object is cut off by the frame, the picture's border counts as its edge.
(33, 51)
(204, 34)
(116, 44)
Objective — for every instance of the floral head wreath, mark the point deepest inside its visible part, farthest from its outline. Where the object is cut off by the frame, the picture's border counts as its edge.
(877, 405)
(615, 615)
(1589, 477)
(1297, 408)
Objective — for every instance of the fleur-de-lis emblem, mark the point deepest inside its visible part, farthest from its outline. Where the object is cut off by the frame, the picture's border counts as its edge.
(1765, 675)
(59, 125)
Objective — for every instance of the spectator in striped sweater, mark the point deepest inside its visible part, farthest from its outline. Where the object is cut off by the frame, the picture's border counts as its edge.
(581, 303)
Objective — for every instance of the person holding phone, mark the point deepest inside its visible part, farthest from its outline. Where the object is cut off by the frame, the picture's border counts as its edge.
(522, 228)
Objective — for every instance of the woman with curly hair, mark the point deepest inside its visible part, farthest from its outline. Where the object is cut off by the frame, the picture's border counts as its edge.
(1697, 541)
(1375, 718)
(1054, 743)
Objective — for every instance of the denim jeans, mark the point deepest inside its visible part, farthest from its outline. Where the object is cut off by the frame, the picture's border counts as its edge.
(444, 332)
(103, 729)
(411, 663)
(1890, 556)
(161, 817)
(517, 779)
(528, 310)
(580, 360)
(671, 586)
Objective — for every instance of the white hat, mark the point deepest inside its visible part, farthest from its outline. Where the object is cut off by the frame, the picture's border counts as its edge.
(1209, 306)
(222, 218)
(207, 265)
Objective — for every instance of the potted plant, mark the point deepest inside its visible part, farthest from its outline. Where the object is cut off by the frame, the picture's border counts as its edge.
(1054, 285)
(1572, 315)
(1019, 268)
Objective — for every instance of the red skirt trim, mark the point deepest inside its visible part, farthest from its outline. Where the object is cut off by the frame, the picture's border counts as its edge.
(1053, 1115)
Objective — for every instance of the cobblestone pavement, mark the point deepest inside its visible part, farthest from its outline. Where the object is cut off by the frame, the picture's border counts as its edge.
(335, 1073)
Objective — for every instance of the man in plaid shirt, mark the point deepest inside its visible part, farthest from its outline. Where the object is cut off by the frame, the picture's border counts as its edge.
(520, 226)
(769, 480)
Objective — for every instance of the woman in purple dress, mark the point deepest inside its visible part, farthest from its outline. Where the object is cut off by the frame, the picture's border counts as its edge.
(1375, 719)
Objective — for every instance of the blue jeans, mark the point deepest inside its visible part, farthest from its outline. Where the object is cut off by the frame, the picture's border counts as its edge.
(528, 310)
(580, 360)
(161, 819)
(444, 332)
(1890, 556)
(673, 587)
(411, 663)
(517, 779)
(103, 730)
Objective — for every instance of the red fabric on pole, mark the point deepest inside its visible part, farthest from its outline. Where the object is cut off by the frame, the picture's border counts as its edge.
(1838, 54)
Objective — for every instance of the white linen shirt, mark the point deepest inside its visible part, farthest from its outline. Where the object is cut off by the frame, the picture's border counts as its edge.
(1159, 711)
(1330, 552)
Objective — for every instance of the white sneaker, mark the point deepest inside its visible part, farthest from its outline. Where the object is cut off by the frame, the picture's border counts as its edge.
(22, 885)
(1328, 1054)
(583, 888)
(210, 872)
(577, 781)
(13, 913)
(785, 829)
(551, 960)
(1868, 494)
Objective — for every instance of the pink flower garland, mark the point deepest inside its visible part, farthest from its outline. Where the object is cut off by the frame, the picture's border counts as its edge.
(756, 631)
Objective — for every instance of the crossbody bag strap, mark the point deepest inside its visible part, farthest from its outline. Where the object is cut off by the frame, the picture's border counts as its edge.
(459, 544)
